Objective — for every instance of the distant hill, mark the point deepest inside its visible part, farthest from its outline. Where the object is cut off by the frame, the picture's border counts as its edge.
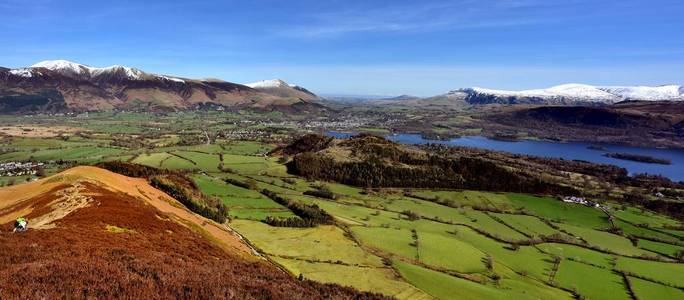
(279, 88)
(61, 85)
(639, 123)
(96, 234)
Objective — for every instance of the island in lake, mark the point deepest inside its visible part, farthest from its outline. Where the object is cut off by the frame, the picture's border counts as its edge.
(639, 158)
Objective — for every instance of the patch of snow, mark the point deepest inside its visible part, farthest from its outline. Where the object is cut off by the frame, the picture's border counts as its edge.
(131, 73)
(273, 83)
(665, 92)
(171, 78)
(22, 72)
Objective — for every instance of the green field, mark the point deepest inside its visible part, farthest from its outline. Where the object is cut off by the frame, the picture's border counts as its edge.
(647, 290)
(668, 273)
(591, 282)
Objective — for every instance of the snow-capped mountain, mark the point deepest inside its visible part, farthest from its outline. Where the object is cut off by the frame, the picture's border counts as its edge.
(281, 88)
(573, 93)
(80, 71)
(64, 85)
(272, 83)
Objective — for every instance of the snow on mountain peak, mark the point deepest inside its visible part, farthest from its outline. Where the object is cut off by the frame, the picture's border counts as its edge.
(68, 68)
(273, 83)
(665, 92)
(62, 65)
(584, 92)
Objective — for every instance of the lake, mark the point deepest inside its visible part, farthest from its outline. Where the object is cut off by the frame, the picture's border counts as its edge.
(570, 151)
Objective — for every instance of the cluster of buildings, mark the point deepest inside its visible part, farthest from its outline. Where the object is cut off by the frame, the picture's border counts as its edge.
(244, 134)
(19, 168)
(582, 201)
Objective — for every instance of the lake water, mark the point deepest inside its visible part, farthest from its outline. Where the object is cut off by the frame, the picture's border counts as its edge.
(570, 151)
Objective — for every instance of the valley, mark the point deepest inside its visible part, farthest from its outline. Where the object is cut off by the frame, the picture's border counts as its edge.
(475, 238)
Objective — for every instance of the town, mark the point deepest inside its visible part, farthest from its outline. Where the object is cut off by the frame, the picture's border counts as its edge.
(20, 168)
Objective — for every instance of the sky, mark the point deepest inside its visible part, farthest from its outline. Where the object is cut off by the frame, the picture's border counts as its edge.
(354, 47)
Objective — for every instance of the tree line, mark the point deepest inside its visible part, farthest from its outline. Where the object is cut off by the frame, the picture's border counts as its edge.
(307, 215)
(432, 172)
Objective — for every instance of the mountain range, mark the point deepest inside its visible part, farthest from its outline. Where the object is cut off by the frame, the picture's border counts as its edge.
(566, 94)
(573, 93)
(61, 85)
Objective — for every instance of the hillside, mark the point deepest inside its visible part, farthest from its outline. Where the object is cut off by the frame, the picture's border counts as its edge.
(644, 123)
(58, 86)
(370, 161)
(279, 88)
(97, 234)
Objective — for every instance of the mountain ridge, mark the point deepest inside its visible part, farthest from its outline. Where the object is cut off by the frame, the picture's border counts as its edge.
(574, 93)
(61, 85)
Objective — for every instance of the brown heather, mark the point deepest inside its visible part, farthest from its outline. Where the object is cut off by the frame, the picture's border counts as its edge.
(151, 257)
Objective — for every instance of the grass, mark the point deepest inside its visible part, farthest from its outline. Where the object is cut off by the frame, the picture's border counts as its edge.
(559, 211)
(81, 154)
(669, 273)
(637, 216)
(591, 282)
(177, 163)
(242, 203)
(152, 159)
(605, 240)
(578, 254)
(646, 290)
(380, 280)
(525, 260)
(528, 224)
(443, 286)
(249, 164)
(486, 223)
(469, 198)
(323, 243)
(447, 252)
(428, 209)
(667, 249)
(204, 162)
(395, 241)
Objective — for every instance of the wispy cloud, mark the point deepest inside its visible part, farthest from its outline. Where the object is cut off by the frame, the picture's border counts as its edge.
(434, 16)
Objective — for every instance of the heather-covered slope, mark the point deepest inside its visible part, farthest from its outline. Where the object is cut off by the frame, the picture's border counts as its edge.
(96, 234)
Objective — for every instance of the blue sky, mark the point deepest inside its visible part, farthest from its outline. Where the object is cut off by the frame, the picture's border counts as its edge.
(360, 47)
